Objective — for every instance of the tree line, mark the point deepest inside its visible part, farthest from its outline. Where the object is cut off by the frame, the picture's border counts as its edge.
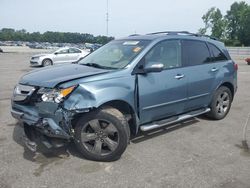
(232, 28)
(9, 34)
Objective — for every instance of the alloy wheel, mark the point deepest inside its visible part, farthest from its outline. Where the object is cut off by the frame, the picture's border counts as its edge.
(100, 137)
(222, 103)
(47, 63)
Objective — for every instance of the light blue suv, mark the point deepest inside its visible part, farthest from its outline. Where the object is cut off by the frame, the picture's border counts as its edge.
(139, 82)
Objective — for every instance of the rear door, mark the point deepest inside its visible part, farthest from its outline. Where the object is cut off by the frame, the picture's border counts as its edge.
(162, 94)
(200, 73)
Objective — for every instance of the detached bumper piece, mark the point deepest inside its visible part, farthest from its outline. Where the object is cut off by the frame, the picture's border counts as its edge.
(17, 115)
(37, 141)
(32, 146)
(46, 126)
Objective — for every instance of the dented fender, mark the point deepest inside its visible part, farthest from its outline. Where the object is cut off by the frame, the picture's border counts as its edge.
(92, 95)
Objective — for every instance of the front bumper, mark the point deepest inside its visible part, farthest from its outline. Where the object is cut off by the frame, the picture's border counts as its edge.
(35, 62)
(49, 125)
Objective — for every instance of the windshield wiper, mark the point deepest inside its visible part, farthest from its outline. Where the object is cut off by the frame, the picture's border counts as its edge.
(98, 66)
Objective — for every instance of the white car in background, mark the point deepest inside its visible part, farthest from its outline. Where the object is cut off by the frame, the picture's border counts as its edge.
(62, 55)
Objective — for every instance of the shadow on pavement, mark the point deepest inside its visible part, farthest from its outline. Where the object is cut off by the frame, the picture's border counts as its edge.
(44, 156)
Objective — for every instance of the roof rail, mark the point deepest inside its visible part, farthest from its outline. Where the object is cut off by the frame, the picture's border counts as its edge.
(134, 35)
(182, 33)
(169, 32)
(211, 37)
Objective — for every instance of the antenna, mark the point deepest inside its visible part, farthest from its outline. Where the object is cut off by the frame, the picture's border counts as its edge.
(107, 19)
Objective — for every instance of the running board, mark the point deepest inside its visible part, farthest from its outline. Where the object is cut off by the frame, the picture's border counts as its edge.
(175, 119)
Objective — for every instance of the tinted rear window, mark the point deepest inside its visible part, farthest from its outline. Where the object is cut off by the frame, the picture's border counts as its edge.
(217, 54)
(195, 52)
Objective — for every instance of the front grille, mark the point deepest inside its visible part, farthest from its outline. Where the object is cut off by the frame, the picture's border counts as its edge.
(22, 92)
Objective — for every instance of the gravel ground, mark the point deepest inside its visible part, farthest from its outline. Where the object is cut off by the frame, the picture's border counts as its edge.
(196, 153)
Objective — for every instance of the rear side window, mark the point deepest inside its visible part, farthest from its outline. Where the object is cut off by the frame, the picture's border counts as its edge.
(217, 54)
(195, 53)
(74, 50)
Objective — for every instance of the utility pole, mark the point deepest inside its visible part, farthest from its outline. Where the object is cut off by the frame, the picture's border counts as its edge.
(107, 18)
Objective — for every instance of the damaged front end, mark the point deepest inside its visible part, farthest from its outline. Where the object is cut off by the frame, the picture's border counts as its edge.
(43, 116)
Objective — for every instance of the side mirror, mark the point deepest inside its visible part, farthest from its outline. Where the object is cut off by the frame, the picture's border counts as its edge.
(56, 53)
(153, 67)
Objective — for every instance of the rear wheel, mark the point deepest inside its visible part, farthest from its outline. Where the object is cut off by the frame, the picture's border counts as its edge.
(102, 135)
(47, 62)
(221, 103)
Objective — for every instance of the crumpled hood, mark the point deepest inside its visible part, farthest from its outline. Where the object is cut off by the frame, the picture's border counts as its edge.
(52, 76)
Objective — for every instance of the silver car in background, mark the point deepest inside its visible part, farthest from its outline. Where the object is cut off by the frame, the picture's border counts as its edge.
(62, 55)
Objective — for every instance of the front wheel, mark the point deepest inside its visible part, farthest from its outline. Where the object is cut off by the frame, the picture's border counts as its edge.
(46, 62)
(221, 103)
(102, 135)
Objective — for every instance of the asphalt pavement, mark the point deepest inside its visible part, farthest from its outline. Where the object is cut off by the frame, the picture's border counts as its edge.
(196, 153)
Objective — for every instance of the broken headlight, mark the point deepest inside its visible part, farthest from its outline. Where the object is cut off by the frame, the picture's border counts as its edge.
(55, 95)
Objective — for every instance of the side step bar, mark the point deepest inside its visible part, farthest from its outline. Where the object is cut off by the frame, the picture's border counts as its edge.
(172, 120)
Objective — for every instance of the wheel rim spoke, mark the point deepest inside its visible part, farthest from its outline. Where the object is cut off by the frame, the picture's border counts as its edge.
(112, 145)
(97, 149)
(218, 106)
(221, 110)
(95, 125)
(88, 137)
(110, 129)
(224, 96)
(225, 103)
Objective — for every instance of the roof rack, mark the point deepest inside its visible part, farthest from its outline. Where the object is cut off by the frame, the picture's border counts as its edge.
(133, 35)
(170, 32)
(182, 33)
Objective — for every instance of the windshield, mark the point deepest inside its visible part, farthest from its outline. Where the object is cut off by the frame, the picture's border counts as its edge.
(116, 54)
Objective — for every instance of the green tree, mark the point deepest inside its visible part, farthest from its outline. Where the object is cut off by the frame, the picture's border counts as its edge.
(244, 33)
(215, 22)
(49, 36)
(238, 22)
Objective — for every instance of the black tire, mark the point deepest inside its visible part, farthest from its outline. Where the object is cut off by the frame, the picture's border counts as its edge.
(47, 62)
(221, 103)
(102, 135)
(248, 63)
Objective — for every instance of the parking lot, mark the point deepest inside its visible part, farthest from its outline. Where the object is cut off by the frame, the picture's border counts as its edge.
(195, 153)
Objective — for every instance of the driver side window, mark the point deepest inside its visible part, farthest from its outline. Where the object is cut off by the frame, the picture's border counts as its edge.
(167, 53)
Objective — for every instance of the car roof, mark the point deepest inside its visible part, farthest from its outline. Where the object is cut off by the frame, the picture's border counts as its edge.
(175, 35)
(67, 47)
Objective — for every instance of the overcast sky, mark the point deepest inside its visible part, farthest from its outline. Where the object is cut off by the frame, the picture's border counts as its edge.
(88, 16)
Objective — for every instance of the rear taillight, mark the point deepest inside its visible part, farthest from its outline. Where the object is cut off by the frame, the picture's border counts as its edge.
(235, 66)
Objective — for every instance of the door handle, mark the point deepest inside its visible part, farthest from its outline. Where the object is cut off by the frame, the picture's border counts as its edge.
(214, 69)
(179, 76)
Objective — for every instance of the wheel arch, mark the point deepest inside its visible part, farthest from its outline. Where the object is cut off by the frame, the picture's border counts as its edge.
(229, 86)
(127, 110)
